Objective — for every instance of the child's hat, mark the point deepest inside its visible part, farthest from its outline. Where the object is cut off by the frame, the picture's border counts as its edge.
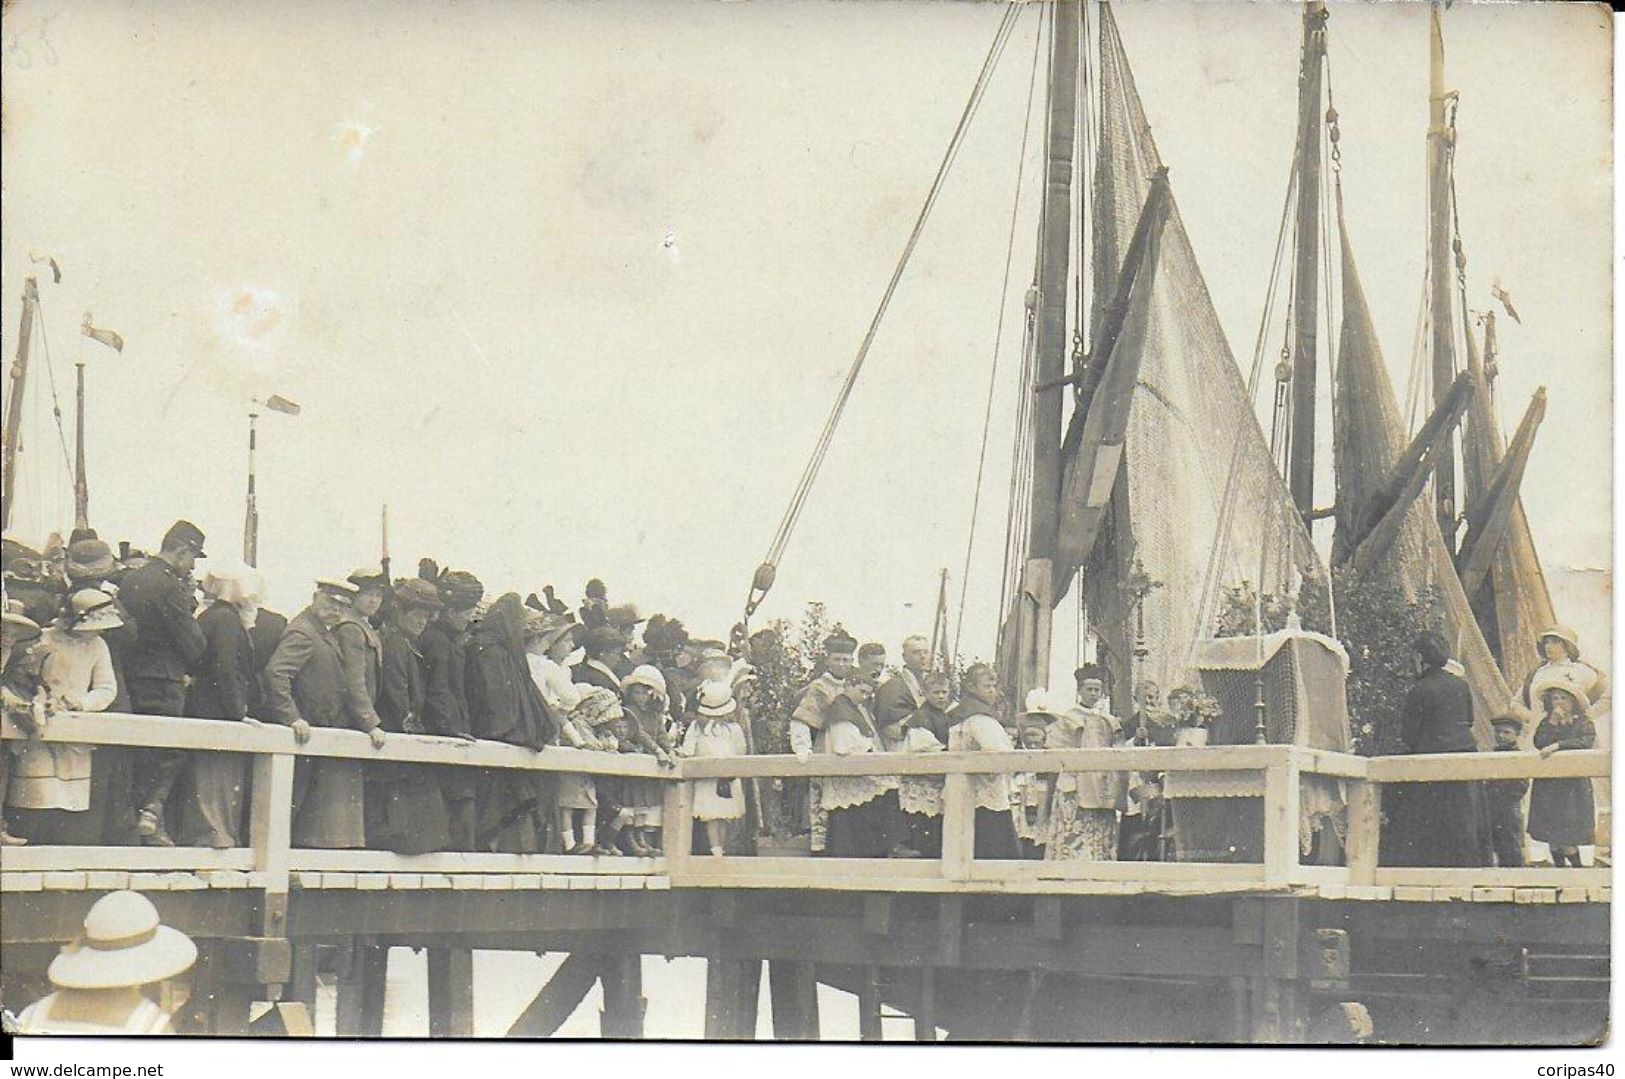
(598, 705)
(716, 699)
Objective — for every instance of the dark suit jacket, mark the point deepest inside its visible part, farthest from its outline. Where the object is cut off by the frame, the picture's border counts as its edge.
(445, 699)
(162, 603)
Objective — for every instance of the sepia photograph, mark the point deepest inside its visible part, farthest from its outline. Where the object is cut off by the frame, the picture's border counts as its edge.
(1060, 522)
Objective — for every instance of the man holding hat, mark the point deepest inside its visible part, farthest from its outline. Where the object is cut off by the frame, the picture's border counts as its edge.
(160, 598)
(445, 704)
(305, 687)
(99, 976)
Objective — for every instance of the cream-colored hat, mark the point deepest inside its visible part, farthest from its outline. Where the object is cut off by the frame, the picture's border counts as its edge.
(93, 610)
(716, 699)
(123, 945)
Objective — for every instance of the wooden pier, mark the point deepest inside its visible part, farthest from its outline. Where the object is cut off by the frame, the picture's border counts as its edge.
(1263, 951)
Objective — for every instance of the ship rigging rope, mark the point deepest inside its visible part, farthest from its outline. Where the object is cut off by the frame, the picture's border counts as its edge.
(998, 335)
(809, 474)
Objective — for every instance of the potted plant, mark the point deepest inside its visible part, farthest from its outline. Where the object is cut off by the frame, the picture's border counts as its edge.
(1196, 720)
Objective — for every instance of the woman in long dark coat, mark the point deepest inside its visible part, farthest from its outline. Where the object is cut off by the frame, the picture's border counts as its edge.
(1563, 812)
(211, 803)
(1441, 823)
(504, 705)
(405, 809)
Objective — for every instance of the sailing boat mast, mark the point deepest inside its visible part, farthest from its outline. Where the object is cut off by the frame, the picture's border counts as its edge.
(1051, 347)
(1305, 305)
(1439, 277)
(14, 409)
(81, 485)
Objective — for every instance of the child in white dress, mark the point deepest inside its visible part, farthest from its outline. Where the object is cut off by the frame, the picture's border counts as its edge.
(715, 732)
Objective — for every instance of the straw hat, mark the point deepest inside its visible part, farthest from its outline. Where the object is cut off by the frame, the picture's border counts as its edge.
(93, 611)
(123, 945)
(716, 699)
(19, 627)
(549, 628)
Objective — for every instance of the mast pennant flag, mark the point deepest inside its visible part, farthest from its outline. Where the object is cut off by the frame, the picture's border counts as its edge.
(106, 337)
(278, 403)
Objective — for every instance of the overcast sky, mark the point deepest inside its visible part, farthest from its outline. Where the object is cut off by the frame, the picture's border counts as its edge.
(571, 286)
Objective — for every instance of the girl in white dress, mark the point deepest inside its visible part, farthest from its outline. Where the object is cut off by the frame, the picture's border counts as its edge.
(716, 732)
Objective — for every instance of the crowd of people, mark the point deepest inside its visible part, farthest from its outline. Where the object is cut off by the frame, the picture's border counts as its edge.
(88, 630)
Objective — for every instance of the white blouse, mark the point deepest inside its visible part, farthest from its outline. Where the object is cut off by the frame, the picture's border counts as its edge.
(983, 732)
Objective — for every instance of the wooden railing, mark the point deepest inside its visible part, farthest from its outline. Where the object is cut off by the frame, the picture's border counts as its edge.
(1271, 772)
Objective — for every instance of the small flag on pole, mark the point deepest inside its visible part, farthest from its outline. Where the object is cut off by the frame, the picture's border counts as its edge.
(106, 337)
(278, 403)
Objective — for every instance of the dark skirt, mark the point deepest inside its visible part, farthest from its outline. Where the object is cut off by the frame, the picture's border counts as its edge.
(869, 830)
(512, 810)
(327, 804)
(924, 833)
(1434, 824)
(1563, 812)
(406, 813)
(210, 809)
(996, 835)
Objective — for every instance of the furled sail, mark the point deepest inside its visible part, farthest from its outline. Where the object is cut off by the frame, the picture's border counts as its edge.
(1198, 497)
(1512, 601)
(1368, 440)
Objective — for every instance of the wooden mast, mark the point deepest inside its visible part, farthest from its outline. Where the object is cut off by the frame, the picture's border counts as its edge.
(14, 408)
(1305, 304)
(251, 516)
(1439, 275)
(1052, 347)
(81, 485)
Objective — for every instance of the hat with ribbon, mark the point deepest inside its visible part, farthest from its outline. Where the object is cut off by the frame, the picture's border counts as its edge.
(93, 610)
(549, 628)
(369, 579)
(123, 945)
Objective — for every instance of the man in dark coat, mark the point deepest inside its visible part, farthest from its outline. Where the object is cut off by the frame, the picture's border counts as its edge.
(266, 633)
(161, 597)
(903, 694)
(305, 687)
(445, 703)
(1435, 823)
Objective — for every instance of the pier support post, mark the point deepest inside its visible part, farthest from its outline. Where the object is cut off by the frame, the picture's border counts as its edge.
(731, 990)
(360, 996)
(451, 992)
(793, 993)
(558, 999)
(869, 1025)
(624, 1004)
(925, 1012)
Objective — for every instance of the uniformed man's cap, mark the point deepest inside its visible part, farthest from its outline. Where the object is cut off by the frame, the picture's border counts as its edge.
(187, 533)
(343, 591)
(366, 578)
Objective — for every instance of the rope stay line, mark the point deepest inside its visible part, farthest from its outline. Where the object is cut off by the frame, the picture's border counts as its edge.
(763, 578)
(998, 337)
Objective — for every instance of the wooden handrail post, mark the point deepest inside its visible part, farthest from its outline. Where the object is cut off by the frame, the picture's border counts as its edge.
(270, 818)
(1365, 830)
(1281, 816)
(677, 826)
(958, 827)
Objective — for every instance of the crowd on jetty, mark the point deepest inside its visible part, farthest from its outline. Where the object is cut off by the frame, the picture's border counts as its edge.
(88, 629)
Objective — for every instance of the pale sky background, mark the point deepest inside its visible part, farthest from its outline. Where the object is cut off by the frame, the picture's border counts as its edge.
(571, 286)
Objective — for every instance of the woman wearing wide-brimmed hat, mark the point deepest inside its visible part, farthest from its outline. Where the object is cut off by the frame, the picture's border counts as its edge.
(50, 783)
(20, 695)
(211, 792)
(99, 976)
(1561, 665)
(1563, 812)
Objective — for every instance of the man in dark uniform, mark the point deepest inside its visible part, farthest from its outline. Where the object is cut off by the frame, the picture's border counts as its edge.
(161, 597)
(445, 701)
